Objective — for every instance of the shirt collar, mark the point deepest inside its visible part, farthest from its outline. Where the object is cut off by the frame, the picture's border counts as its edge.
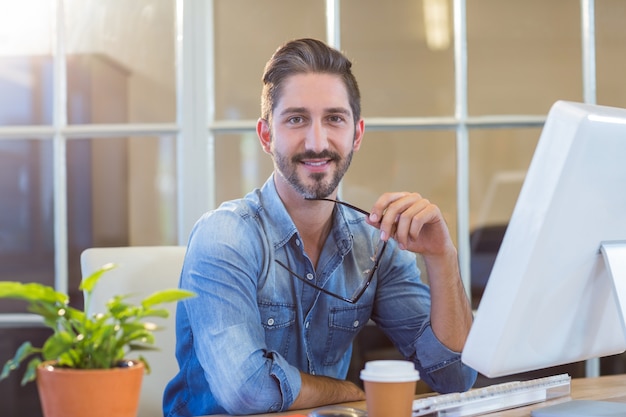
(282, 226)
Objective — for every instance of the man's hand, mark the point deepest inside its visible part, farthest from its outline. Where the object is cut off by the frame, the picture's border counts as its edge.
(413, 221)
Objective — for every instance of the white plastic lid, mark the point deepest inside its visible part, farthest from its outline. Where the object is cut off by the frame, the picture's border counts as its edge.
(389, 371)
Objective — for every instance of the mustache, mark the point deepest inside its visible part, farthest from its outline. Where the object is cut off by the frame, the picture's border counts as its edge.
(325, 154)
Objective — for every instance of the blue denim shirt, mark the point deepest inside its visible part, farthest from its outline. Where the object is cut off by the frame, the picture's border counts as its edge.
(242, 342)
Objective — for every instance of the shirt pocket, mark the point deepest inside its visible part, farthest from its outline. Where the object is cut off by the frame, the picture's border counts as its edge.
(278, 321)
(344, 324)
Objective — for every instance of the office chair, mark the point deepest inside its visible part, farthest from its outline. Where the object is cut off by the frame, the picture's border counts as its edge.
(484, 244)
(141, 271)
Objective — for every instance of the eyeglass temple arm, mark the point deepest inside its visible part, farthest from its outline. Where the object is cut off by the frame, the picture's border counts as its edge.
(357, 296)
(340, 202)
(325, 291)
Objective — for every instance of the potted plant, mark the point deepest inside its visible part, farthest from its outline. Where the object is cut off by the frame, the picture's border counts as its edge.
(81, 345)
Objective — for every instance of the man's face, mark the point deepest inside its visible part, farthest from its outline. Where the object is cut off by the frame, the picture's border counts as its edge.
(313, 135)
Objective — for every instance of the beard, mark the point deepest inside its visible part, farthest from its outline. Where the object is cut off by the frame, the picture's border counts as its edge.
(323, 184)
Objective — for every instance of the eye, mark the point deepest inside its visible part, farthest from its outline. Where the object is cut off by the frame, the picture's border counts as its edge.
(336, 118)
(294, 120)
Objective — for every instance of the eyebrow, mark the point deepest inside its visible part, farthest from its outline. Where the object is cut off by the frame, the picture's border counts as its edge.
(331, 110)
(290, 110)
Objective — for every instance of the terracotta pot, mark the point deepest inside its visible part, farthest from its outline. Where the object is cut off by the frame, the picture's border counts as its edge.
(89, 392)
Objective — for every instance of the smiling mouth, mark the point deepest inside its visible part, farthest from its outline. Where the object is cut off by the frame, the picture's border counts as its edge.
(316, 160)
(317, 163)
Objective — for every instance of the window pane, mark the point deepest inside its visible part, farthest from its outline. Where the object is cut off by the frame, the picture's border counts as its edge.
(26, 27)
(403, 55)
(241, 165)
(522, 55)
(498, 165)
(499, 160)
(247, 32)
(98, 90)
(26, 34)
(122, 192)
(121, 61)
(152, 209)
(25, 90)
(611, 59)
(26, 214)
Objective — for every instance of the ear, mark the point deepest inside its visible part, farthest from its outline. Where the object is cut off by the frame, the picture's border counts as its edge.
(264, 133)
(359, 129)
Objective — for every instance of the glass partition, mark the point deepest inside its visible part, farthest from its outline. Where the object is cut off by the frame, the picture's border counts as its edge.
(611, 59)
(403, 56)
(246, 34)
(121, 61)
(523, 55)
(26, 214)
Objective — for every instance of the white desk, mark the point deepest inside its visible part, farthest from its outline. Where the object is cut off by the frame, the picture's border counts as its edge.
(605, 388)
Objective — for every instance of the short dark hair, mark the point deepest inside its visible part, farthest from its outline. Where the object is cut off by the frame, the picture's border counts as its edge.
(303, 56)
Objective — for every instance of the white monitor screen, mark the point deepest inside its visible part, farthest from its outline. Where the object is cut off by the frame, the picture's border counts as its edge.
(550, 298)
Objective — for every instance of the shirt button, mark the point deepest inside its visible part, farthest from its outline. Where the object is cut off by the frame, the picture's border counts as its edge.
(309, 276)
(306, 325)
(270, 322)
(297, 242)
(355, 324)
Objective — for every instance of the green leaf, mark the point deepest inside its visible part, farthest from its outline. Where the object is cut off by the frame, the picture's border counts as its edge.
(118, 308)
(142, 347)
(133, 326)
(31, 371)
(166, 296)
(89, 282)
(72, 358)
(57, 344)
(49, 312)
(143, 336)
(145, 364)
(160, 312)
(31, 292)
(117, 356)
(25, 350)
(74, 314)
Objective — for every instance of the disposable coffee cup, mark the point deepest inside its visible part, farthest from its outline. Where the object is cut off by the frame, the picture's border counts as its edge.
(389, 388)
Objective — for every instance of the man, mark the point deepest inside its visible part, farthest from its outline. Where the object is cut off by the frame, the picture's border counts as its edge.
(286, 280)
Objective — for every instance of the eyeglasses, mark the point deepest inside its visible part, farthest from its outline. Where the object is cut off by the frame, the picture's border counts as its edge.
(376, 257)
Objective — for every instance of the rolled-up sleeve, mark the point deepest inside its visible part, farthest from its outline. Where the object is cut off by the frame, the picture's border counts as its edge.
(243, 375)
(442, 368)
(403, 312)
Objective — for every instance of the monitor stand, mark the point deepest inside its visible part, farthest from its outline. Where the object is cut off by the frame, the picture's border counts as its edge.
(614, 253)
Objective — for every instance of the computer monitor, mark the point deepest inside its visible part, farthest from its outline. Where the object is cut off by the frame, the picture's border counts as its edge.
(553, 295)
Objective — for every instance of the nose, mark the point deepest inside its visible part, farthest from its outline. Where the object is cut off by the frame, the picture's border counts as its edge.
(316, 137)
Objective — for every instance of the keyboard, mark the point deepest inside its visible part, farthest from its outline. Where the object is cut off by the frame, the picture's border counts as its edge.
(493, 398)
